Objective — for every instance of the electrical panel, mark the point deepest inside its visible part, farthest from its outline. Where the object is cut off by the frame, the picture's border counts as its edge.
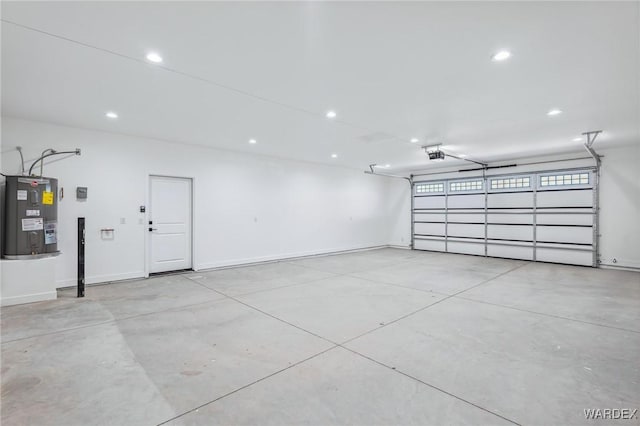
(81, 192)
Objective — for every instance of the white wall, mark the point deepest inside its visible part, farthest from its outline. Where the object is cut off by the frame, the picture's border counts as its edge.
(620, 206)
(247, 207)
(619, 199)
(400, 202)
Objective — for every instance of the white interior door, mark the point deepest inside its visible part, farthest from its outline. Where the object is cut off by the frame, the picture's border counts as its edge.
(169, 224)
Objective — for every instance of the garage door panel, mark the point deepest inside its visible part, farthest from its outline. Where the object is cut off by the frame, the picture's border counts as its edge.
(465, 230)
(558, 199)
(429, 202)
(429, 229)
(565, 219)
(510, 218)
(467, 218)
(429, 217)
(568, 255)
(511, 199)
(565, 234)
(510, 252)
(466, 201)
(575, 210)
(510, 232)
(466, 247)
(429, 244)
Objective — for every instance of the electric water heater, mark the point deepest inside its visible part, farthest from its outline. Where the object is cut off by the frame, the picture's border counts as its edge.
(31, 217)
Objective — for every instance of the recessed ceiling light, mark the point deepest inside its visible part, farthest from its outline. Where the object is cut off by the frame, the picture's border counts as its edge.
(331, 114)
(334, 155)
(577, 139)
(381, 166)
(415, 140)
(253, 141)
(462, 155)
(154, 57)
(554, 111)
(111, 114)
(501, 55)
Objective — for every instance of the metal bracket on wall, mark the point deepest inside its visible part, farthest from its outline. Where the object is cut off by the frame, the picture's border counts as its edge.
(591, 138)
(372, 171)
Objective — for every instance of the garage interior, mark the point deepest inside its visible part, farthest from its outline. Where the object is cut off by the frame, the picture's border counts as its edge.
(324, 213)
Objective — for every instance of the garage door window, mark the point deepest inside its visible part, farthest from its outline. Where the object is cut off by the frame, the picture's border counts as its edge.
(508, 183)
(565, 179)
(469, 185)
(423, 188)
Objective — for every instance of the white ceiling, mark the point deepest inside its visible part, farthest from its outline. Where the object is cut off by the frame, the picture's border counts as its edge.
(392, 71)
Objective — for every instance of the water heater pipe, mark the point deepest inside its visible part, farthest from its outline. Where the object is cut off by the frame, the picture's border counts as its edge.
(48, 153)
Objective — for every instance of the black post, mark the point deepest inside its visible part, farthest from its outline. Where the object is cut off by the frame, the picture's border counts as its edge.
(81, 257)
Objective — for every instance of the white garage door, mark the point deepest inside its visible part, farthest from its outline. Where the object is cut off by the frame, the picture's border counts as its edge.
(545, 216)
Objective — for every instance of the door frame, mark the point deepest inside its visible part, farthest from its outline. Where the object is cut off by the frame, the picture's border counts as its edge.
(147, 238)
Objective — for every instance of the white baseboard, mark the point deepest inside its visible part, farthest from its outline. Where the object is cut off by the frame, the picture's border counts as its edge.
(397, 246)
(619, 267)
(282, 257)
(98, 279)
(28, 298)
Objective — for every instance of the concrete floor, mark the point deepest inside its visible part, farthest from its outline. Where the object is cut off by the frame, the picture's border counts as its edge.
(378, 337)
